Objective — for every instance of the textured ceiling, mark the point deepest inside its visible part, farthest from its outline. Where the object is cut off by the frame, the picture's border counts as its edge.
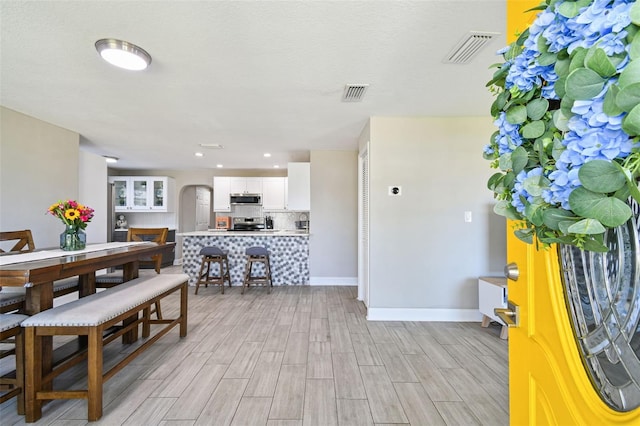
(253, 76)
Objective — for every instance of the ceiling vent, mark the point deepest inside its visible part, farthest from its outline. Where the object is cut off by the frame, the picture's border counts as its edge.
(211, 145)
(354, 92)
(468, 47)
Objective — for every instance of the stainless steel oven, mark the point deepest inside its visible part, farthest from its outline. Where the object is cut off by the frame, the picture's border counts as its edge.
(251, 199)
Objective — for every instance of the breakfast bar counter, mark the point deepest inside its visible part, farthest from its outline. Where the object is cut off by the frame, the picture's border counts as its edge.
(288, 252)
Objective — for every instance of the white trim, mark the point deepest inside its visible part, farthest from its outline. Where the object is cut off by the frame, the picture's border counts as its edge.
(423, 314)
(334, 281)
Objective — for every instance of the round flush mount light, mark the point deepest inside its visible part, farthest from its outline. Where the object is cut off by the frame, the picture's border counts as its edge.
(110, 159)
(123, 54)
(199, 154)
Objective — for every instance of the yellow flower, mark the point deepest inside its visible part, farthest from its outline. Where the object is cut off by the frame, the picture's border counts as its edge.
(53, 207)
(71, 214)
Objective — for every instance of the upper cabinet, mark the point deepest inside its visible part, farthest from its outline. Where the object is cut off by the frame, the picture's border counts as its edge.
(143, 193)
(221, 191)
(299, 187)
(274, 193)
(246, 185)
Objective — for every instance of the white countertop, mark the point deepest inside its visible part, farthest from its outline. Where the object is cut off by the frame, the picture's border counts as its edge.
(263, 233)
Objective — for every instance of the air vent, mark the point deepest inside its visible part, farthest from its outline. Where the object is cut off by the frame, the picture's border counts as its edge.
(468, 47)
(211, 145)
(354, 92)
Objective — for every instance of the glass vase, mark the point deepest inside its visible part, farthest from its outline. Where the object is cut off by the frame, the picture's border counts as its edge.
(73, 238)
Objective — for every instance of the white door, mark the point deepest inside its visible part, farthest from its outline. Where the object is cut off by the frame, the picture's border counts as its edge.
(203, 207)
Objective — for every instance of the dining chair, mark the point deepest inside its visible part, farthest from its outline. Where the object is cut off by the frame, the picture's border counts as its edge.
(13, 300)
(24, 243)
(11, 337)
(156, 235)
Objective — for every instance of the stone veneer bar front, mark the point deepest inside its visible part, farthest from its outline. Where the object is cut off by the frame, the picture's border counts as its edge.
(288, 253)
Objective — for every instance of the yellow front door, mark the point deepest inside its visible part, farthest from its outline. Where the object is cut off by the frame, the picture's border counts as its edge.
(548, 383)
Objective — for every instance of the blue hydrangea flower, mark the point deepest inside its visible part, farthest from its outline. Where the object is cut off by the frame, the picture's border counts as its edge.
(509, 137)
(518, 189)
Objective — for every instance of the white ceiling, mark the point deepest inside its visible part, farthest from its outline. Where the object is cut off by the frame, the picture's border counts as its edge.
(254, 76)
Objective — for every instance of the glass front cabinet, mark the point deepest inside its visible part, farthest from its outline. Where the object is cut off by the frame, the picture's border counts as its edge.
(143, 193)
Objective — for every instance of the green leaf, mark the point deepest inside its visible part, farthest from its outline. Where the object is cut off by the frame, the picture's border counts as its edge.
(533, 130)
(558, 148)
(570, 9)
(594, 245)
(537, 108)
(505, 162)
(623, 193)
(577, 59)
(631, 183)
(534, 185)
(564, 226)
(517, 114)
(629, 97)
(608, 210)
(630, 75)
(504, 208)
(586, 227)
(634, 14)
(560, 121)
(546, 58)
(583, 84)
(598, 61)
(565, 106)
(553, 216)
(525, 235)
(519, 159)
(601, 176)
(534, 212)
(560, 86)
(631, 123)
(561, 67)
(634, 47)
(495, 181)
(610, 106)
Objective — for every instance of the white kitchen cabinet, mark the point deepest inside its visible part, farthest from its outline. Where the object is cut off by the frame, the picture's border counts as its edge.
(143, 193)
(246, 185)
(221, 192)
(299, 187)
(273, 193)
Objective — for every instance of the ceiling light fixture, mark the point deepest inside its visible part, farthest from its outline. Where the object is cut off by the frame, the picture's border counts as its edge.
(267, 155)
(219, 166)
(276, 167)
(110, 159)
(123, 54)
(199, 154)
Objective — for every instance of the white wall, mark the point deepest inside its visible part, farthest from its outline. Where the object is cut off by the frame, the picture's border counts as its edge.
(38, 166)
(93, 193)
(424, 258)
(333, 243)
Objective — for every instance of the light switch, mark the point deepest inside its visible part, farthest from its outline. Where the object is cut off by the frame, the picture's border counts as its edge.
(467, 216)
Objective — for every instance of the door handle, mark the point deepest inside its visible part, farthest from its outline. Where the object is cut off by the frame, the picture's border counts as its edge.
(509, 315)
(511, 271)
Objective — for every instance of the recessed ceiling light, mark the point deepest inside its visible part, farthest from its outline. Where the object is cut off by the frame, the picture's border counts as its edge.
(276, 167)
(109, 159)
(266, 154)
(219, 166)
(199, 154)
(123, 54)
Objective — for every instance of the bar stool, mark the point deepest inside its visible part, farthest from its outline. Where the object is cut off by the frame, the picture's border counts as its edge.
(11, 331)
(257, 255)
(211, 255)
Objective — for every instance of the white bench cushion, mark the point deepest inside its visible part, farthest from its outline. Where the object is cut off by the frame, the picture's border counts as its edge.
(10, 297)
(101, 307)
(9, 321)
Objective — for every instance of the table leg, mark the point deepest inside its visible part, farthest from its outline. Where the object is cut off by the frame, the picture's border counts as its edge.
(130, 272)
(87, 284)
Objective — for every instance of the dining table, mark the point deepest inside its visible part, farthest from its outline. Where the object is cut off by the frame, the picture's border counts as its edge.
(36, 271)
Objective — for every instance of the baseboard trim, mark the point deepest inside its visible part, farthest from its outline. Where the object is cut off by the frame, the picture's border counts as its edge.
(423, 314)
(350, 281)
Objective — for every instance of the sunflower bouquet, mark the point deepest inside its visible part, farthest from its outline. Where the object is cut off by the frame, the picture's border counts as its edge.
(71, 213)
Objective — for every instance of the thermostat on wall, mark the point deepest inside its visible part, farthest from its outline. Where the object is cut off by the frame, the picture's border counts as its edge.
(395, 190)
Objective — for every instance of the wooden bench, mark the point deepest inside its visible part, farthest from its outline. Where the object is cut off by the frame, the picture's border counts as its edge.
(96, 316)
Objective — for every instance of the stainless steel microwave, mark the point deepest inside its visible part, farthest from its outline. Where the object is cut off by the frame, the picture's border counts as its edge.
(252, 199)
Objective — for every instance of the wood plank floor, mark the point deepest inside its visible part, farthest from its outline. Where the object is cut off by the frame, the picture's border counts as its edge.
(301, 355)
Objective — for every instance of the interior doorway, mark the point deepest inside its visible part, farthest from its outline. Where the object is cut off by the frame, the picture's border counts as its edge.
(195, 210)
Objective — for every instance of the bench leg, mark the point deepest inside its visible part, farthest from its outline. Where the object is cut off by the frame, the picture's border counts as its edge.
(184, 293)
(94, 374)
(33, 374)
(19, 355)
(146, 324)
